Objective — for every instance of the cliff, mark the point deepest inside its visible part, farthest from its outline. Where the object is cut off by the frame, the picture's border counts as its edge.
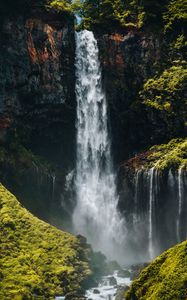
(37, 106)
(37, 77)
(146, 105)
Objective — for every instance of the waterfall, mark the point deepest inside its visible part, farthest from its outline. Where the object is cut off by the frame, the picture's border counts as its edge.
(151, 208)
(136, 198)
(95, 215)
(179, 203)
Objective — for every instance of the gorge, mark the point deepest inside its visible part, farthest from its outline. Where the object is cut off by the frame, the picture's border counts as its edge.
(93, 142)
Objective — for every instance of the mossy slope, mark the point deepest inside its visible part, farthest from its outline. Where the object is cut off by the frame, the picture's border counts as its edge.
(164, 279)
(37, 260)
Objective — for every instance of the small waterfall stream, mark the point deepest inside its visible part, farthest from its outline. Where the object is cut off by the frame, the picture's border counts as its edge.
(180, 202)
(95, 215)
(151, 208)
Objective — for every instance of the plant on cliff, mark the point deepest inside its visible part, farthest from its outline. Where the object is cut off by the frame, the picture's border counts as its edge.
(166, 95)
(167, 156)
(59, 5)
(167, 92)
(176, 14)
(165, 278)
(38, 261)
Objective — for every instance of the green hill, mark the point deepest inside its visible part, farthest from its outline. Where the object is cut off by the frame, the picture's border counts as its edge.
(37, 260)
(164, 279)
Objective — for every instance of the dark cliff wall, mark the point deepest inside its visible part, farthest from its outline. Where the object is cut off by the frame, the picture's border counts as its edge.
(37, 78)
(129, 58)
(37, 104)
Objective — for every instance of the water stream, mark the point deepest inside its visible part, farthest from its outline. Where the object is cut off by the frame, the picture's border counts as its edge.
(108, 287)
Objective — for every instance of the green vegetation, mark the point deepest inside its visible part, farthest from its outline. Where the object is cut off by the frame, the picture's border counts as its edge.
(163, 157)
(176, 14)
(18, 6)
(59, 5)
(129, 13)
(169, 156)
(110, 13)
(164, 279)
(166, 93)
(37, 260)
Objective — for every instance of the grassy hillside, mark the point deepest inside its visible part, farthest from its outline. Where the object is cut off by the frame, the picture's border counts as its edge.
(37, 260)
(164, 279)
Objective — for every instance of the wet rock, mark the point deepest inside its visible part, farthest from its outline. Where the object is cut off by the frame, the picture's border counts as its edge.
(136, 269)
(96, 291)
(124, 273)
(121, 292)
(112, 280)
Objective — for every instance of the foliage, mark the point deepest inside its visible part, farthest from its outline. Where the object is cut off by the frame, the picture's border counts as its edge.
(167, 92)
(38, 261)
(171, 155)
(18, 6)
(129, 13)
(176, 14)
(165, 278)
(59, 5)
(108, 12)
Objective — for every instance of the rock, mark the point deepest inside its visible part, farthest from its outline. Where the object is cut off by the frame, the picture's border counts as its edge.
(96, 291)
(112, 266)
(124, 273)
(112, 280)
(136, 269)
(121, 291)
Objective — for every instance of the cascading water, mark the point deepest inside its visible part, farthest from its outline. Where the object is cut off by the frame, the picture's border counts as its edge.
(136, 199)
(151, 207)
(180, 185)
(95, 214)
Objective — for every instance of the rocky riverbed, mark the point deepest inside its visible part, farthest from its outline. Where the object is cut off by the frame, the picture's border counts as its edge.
(111, 286)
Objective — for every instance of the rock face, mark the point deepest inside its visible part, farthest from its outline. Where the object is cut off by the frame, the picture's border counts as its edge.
(128, 59)
(37, 75)
(37, 100)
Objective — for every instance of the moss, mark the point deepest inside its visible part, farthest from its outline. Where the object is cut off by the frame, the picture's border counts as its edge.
(59, 6)
(164, 279)
(166, 92)
(172, 155)
(169, 156)
(176, 14)
(38, 261)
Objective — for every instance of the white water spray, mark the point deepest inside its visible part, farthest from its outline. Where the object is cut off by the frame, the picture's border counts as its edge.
(95, 214)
